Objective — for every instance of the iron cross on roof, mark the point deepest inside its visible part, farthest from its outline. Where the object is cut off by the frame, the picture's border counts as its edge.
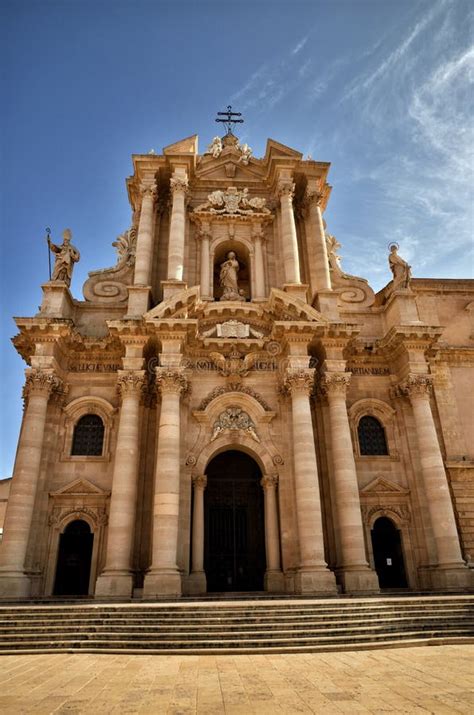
(228, 121)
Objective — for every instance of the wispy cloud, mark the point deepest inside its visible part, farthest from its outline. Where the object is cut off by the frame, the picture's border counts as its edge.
(299, 46)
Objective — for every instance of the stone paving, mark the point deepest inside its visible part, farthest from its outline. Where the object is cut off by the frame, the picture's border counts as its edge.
(434, 679)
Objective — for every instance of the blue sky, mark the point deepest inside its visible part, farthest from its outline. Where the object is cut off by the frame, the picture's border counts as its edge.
(381, 88)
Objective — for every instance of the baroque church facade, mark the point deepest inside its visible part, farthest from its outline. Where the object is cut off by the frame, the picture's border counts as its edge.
(227, 410)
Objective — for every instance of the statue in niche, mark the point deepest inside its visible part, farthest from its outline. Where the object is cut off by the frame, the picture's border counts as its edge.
(65, 256)
(400, 268)
(228, 278)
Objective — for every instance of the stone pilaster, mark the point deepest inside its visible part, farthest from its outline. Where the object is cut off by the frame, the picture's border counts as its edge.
(286, 190)
(117, 578)
(38, 387)
(163, 578)
(313, 575)
(197, 580)
(353, 570)
(451, 571)
(273, 580)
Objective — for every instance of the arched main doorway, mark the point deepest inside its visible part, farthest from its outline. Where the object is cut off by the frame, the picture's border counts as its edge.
(388, 554)
(74, 560)
(234, 530)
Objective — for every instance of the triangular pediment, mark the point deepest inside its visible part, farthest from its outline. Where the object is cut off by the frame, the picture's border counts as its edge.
(380, 485)
(275, 149)
(184, 146)
(178, 305)
(227, 169)
(283, 306)
(79, 486)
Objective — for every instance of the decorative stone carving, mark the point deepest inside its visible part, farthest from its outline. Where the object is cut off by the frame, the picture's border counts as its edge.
(234, 418)
(234, 364)
(228, 279)
(400, 269)
(149, 191)
(191, 460)
(354, 289)
(233, 387)
(171, 381)
(40, 381)
(109, 285)
(269, 481)
(286, 189)
(246, 153)
(233, 201)
(178, 184)
(66, 255)
(130, 382)
(215, 148)
(278, 459)
(415, 386)
(298, 381)
(200, 481)
(232, 329)
(334, 383)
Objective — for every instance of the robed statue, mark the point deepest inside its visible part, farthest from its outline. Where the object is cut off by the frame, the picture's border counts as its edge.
(400, 269)
(228, 278)
(65, 256)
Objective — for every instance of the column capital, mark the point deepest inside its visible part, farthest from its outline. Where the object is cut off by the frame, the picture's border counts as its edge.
(199, 481)
(41, 382)
(171, 381)
(149, 191)
(269, 481)
(298, 381)
(312, 197)
(415, 386)
(179, 184)
(130, 382)
(334, 383)
(286, 188)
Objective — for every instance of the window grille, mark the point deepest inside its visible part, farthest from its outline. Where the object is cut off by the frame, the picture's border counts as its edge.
(371, 436)
(88, 437)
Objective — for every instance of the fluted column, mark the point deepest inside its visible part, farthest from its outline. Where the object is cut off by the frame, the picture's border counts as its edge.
(353, 569)
(38, 387)
(145, 235)
(179, 187)
(163, 577)
(291, 259)
(199, 485)
(451, 571)
(117, 577)
(258, 237)
(313, 574)
(317, 246)
(273, 575)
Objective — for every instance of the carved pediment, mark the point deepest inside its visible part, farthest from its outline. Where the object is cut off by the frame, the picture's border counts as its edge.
(283, 306)
(183, 146)
(80, 487)
(380, 485)
(178, 305)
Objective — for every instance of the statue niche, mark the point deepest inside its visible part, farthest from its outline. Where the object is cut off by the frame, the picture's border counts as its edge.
(231, 275)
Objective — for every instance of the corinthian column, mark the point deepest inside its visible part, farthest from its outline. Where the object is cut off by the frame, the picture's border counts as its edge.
(353, 569)
(144, 250)
(163, 577)
(117, 577)
(273, 575)
(313, 574)
(451, 571)
(204, 236)
(291, 259)
(38, 387)
(317, 246)
(179, 187)
(258, 237)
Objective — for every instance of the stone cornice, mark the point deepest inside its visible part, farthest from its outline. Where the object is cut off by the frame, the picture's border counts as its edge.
(414, 337)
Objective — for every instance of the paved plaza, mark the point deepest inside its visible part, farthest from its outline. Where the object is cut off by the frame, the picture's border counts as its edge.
(434, 679)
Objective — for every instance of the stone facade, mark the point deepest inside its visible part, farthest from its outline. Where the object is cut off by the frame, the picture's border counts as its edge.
(228, 326)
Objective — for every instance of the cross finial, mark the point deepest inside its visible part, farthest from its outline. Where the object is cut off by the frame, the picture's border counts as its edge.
(228, 121)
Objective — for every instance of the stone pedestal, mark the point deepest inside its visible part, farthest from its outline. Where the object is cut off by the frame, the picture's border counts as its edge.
(401, 308)
(117, 578)
(313, 575)
(353, 570)
(297, 290)
(14, 583)
(57, 300)
(327, 304)
(170, 288)
(138, 301)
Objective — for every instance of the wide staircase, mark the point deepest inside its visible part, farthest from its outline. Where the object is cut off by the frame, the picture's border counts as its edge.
(240, 626)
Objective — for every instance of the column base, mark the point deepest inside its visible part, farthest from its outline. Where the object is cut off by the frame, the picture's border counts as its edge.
(196, 583)
(452, 578)
(138, 301)
(358, 580)
(274, 582)
(297, 290)
(114, 584)
(14, 584)
(327, 302)
(162, 583)
(172, 287)
(315, 581)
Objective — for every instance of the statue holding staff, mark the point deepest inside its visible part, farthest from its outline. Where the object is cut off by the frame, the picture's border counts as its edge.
(65, 256)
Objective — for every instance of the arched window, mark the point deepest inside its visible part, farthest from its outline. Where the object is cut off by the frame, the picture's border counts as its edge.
(88, 437)
(371, 436)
